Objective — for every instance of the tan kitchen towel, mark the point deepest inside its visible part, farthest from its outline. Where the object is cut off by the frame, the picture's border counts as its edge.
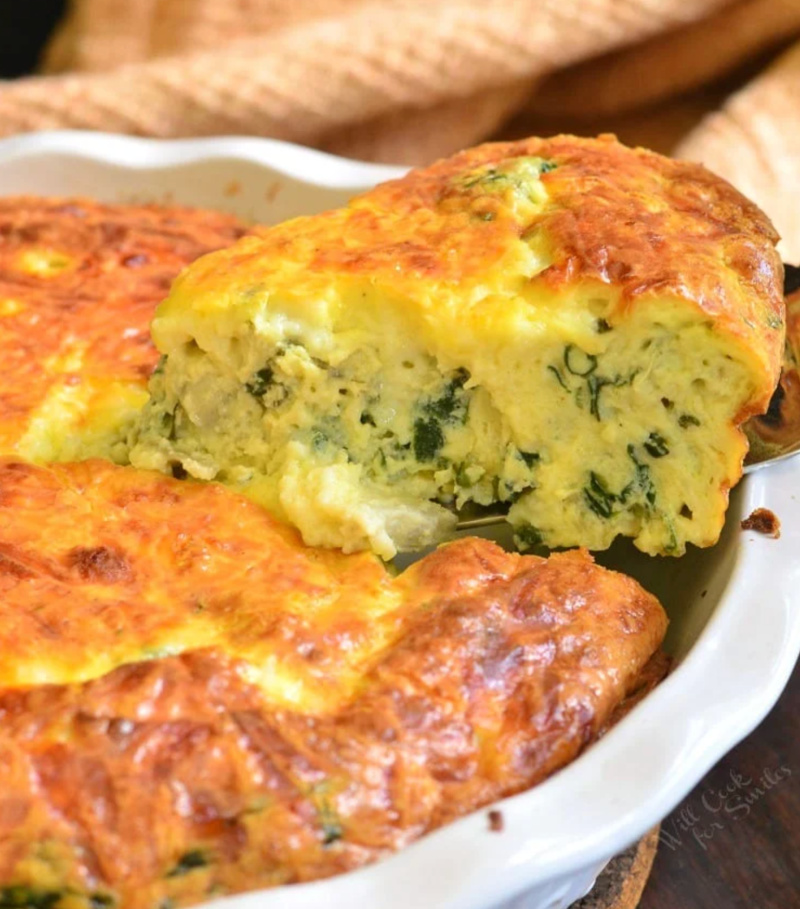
(399, 80)
(754, 141)
(406, 81)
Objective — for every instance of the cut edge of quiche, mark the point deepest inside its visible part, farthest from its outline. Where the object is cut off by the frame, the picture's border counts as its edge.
(569, 326)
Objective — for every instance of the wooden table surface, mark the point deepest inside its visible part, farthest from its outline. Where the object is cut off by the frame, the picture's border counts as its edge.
(734, 843)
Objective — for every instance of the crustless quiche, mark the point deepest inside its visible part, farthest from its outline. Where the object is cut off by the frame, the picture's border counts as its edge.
(566, 325)
(193, 703)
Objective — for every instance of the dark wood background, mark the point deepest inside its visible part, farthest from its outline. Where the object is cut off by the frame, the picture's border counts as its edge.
(734, 843)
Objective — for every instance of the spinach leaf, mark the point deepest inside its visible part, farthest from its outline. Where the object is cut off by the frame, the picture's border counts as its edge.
(643, 478)
(24, 896)
(599, 497)
(448, 408)
(428, 438)
(559, 377)
(597, 383)
(194, 858)
(100, 900)
(656, 445)
(332, 829)
(578, 362)
(527, 536)
(260, 381)
(451, 405)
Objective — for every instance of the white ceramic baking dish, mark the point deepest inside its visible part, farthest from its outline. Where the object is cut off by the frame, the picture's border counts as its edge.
(734, 609)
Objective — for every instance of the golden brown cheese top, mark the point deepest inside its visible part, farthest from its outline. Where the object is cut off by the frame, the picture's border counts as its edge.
(133, 565)
(645, 224)
(79, 282)
(178, 778)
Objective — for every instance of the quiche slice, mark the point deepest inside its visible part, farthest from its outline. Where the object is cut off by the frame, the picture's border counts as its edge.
(193, 703)
(79, 283)
(566, 325)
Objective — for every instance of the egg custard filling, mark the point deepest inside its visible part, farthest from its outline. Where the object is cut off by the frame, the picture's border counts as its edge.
(568, 326)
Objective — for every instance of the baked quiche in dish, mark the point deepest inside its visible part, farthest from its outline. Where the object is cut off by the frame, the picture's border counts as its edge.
(566, 325)
(194, 703)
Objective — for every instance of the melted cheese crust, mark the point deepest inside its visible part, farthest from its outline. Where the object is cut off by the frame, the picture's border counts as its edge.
(79, 282)
(192, 703)
(567, 325)
(134, 566)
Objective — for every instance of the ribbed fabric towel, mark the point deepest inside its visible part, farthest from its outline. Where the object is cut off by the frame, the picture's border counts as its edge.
(409, 80)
